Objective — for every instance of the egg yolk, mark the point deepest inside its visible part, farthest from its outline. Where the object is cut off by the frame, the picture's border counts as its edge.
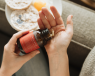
(39, 5)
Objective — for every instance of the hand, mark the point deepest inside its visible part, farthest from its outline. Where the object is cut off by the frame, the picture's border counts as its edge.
(62, 36)
(57, 47)
(12, 61)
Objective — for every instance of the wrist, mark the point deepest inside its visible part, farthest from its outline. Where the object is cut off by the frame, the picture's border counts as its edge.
(59, 64)
(4, 73)
(57, 52)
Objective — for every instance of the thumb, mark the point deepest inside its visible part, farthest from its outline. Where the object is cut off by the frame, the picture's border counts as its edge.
(69, 27)
(27, 57)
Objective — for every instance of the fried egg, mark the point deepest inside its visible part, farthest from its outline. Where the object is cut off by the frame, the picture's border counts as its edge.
(38, 4)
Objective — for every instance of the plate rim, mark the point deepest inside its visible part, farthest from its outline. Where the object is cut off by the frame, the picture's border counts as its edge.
(17, 29)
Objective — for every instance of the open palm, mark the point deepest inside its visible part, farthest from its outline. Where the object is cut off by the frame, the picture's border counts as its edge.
(62, 36)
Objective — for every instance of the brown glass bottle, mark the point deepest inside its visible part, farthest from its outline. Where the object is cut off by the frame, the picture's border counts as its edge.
(34, 40)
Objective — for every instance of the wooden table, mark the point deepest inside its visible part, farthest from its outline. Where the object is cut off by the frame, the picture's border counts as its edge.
(91, 3)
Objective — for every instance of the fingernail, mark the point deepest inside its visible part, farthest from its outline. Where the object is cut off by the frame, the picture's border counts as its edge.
(71, 16)
(37, 52)
(43, 7)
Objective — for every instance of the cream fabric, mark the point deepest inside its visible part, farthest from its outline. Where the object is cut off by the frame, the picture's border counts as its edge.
(88, 68)
(84, 22)
(2, 4)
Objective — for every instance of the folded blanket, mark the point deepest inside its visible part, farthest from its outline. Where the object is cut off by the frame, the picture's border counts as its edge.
(88, 68)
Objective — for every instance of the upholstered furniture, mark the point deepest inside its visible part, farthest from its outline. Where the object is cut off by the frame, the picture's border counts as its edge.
(82, 42)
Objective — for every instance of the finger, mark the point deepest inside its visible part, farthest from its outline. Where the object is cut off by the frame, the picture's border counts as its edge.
(27, 57)
(58, 29)
(14, 38)
(44, 20)
(69, 28)
(49, 16)
(57, 16)
(40, 24)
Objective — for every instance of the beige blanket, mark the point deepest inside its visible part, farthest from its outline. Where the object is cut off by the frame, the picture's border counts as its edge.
(88, 68)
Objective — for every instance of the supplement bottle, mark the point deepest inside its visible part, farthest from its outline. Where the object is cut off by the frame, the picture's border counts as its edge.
(34, 40)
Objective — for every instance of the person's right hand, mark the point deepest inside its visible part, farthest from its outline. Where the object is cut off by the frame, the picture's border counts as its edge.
(12, 61)
(63, 35)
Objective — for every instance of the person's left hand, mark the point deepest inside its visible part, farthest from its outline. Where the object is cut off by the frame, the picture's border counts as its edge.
(12, 61)
(62, 34)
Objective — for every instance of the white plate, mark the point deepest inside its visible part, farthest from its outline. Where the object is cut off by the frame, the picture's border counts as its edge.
(8, 11)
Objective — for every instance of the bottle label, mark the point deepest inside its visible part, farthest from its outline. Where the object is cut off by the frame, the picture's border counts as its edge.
(28, 43)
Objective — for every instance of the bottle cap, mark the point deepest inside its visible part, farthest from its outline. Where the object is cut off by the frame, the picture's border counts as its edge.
(47, 35)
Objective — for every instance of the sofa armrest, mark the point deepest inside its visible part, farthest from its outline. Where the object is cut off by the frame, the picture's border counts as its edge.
(84, 31)
(84, 22)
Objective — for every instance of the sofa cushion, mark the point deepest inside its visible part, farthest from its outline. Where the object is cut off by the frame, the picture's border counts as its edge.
(3, 40)
(77, 53)
(37, 66)
(4, 25)
(83, 38)
(84, 22)
(2, 5)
